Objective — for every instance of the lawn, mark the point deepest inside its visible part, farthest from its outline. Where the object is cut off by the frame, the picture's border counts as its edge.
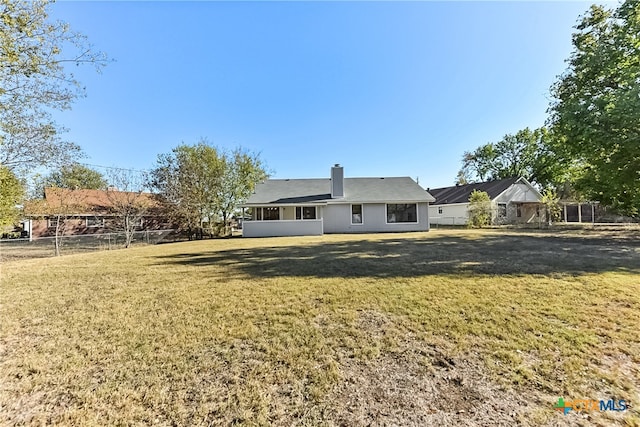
(440, 328)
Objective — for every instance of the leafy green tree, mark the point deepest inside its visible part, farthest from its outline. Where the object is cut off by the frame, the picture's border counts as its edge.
(596, 107)
(33, 81)
(553, 210)
(479, 209)
(11, 194)
(74, 177)
(201, 184)
(242, 171)
(188, 180)
(463, 177)
(523, 154)
(479, 165)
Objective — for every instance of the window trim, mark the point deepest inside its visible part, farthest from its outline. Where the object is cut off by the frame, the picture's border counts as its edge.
(361, 213)
(386, 212)
(505, 210)
(271, 209)
(86, 222)
(300, 209)
(315, 213)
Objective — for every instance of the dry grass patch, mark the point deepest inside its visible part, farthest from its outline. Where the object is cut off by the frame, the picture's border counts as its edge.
(446, 327)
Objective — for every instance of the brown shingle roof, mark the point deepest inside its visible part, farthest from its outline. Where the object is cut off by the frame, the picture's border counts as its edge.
(461, 193)
(89, 201)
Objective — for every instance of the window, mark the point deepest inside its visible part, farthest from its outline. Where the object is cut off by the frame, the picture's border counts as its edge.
(309, 212)
(305, 212)
(270, 214)
(402, 213)
(356, 214)
(267, 214)
(519, 211)
(53, 222)
(95, 222)
(440, 210)
(502, 210)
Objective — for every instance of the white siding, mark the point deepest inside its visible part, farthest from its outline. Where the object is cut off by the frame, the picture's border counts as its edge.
(310, 227)
(454, 214)
(337, 219)
(517, 193)
(458, 214)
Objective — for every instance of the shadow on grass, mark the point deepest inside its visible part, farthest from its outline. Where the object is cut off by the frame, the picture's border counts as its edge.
(508, 254)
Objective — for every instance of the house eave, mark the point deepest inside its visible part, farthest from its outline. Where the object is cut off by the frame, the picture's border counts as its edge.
(342, 201)
(451, 204)
(357, 202)
(257, 205)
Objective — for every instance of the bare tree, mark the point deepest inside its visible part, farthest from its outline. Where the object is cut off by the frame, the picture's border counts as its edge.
(128, 202)
(59, 206)
(35, 79)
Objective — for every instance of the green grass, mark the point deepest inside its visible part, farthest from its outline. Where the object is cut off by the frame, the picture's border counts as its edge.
(443, 328)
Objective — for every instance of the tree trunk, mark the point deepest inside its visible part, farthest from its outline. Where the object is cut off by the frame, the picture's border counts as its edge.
(57, 238)
(127, 232)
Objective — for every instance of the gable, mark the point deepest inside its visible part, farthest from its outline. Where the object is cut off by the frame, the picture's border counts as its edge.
(519, 192)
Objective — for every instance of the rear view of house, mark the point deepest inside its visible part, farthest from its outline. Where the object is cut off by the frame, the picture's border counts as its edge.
(290, 207)
(513, 201)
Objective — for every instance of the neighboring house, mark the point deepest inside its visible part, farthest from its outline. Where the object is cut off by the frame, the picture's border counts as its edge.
(513, 201)
(89, 212)
(292, 207)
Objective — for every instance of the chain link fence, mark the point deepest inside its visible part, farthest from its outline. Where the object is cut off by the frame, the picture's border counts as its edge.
(14, 249)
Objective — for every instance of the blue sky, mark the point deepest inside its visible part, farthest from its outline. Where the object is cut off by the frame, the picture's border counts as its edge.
(383, 88)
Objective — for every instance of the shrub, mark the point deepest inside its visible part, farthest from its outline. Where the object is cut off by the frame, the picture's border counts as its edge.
(479, 209)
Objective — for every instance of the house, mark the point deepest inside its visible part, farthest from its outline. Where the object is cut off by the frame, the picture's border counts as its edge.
(293, 207)
(513, 201)
(81, 212)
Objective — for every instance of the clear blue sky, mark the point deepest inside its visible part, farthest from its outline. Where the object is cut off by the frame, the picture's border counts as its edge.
(384, 88)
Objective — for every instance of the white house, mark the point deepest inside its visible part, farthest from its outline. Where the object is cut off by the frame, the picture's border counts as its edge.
(513, 200)
(293, 207)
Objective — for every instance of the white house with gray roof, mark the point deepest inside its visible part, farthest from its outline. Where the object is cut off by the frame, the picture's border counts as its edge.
(513, 201)
(296, 207)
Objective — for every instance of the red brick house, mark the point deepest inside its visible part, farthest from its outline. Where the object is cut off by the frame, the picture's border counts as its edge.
(81, 212)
